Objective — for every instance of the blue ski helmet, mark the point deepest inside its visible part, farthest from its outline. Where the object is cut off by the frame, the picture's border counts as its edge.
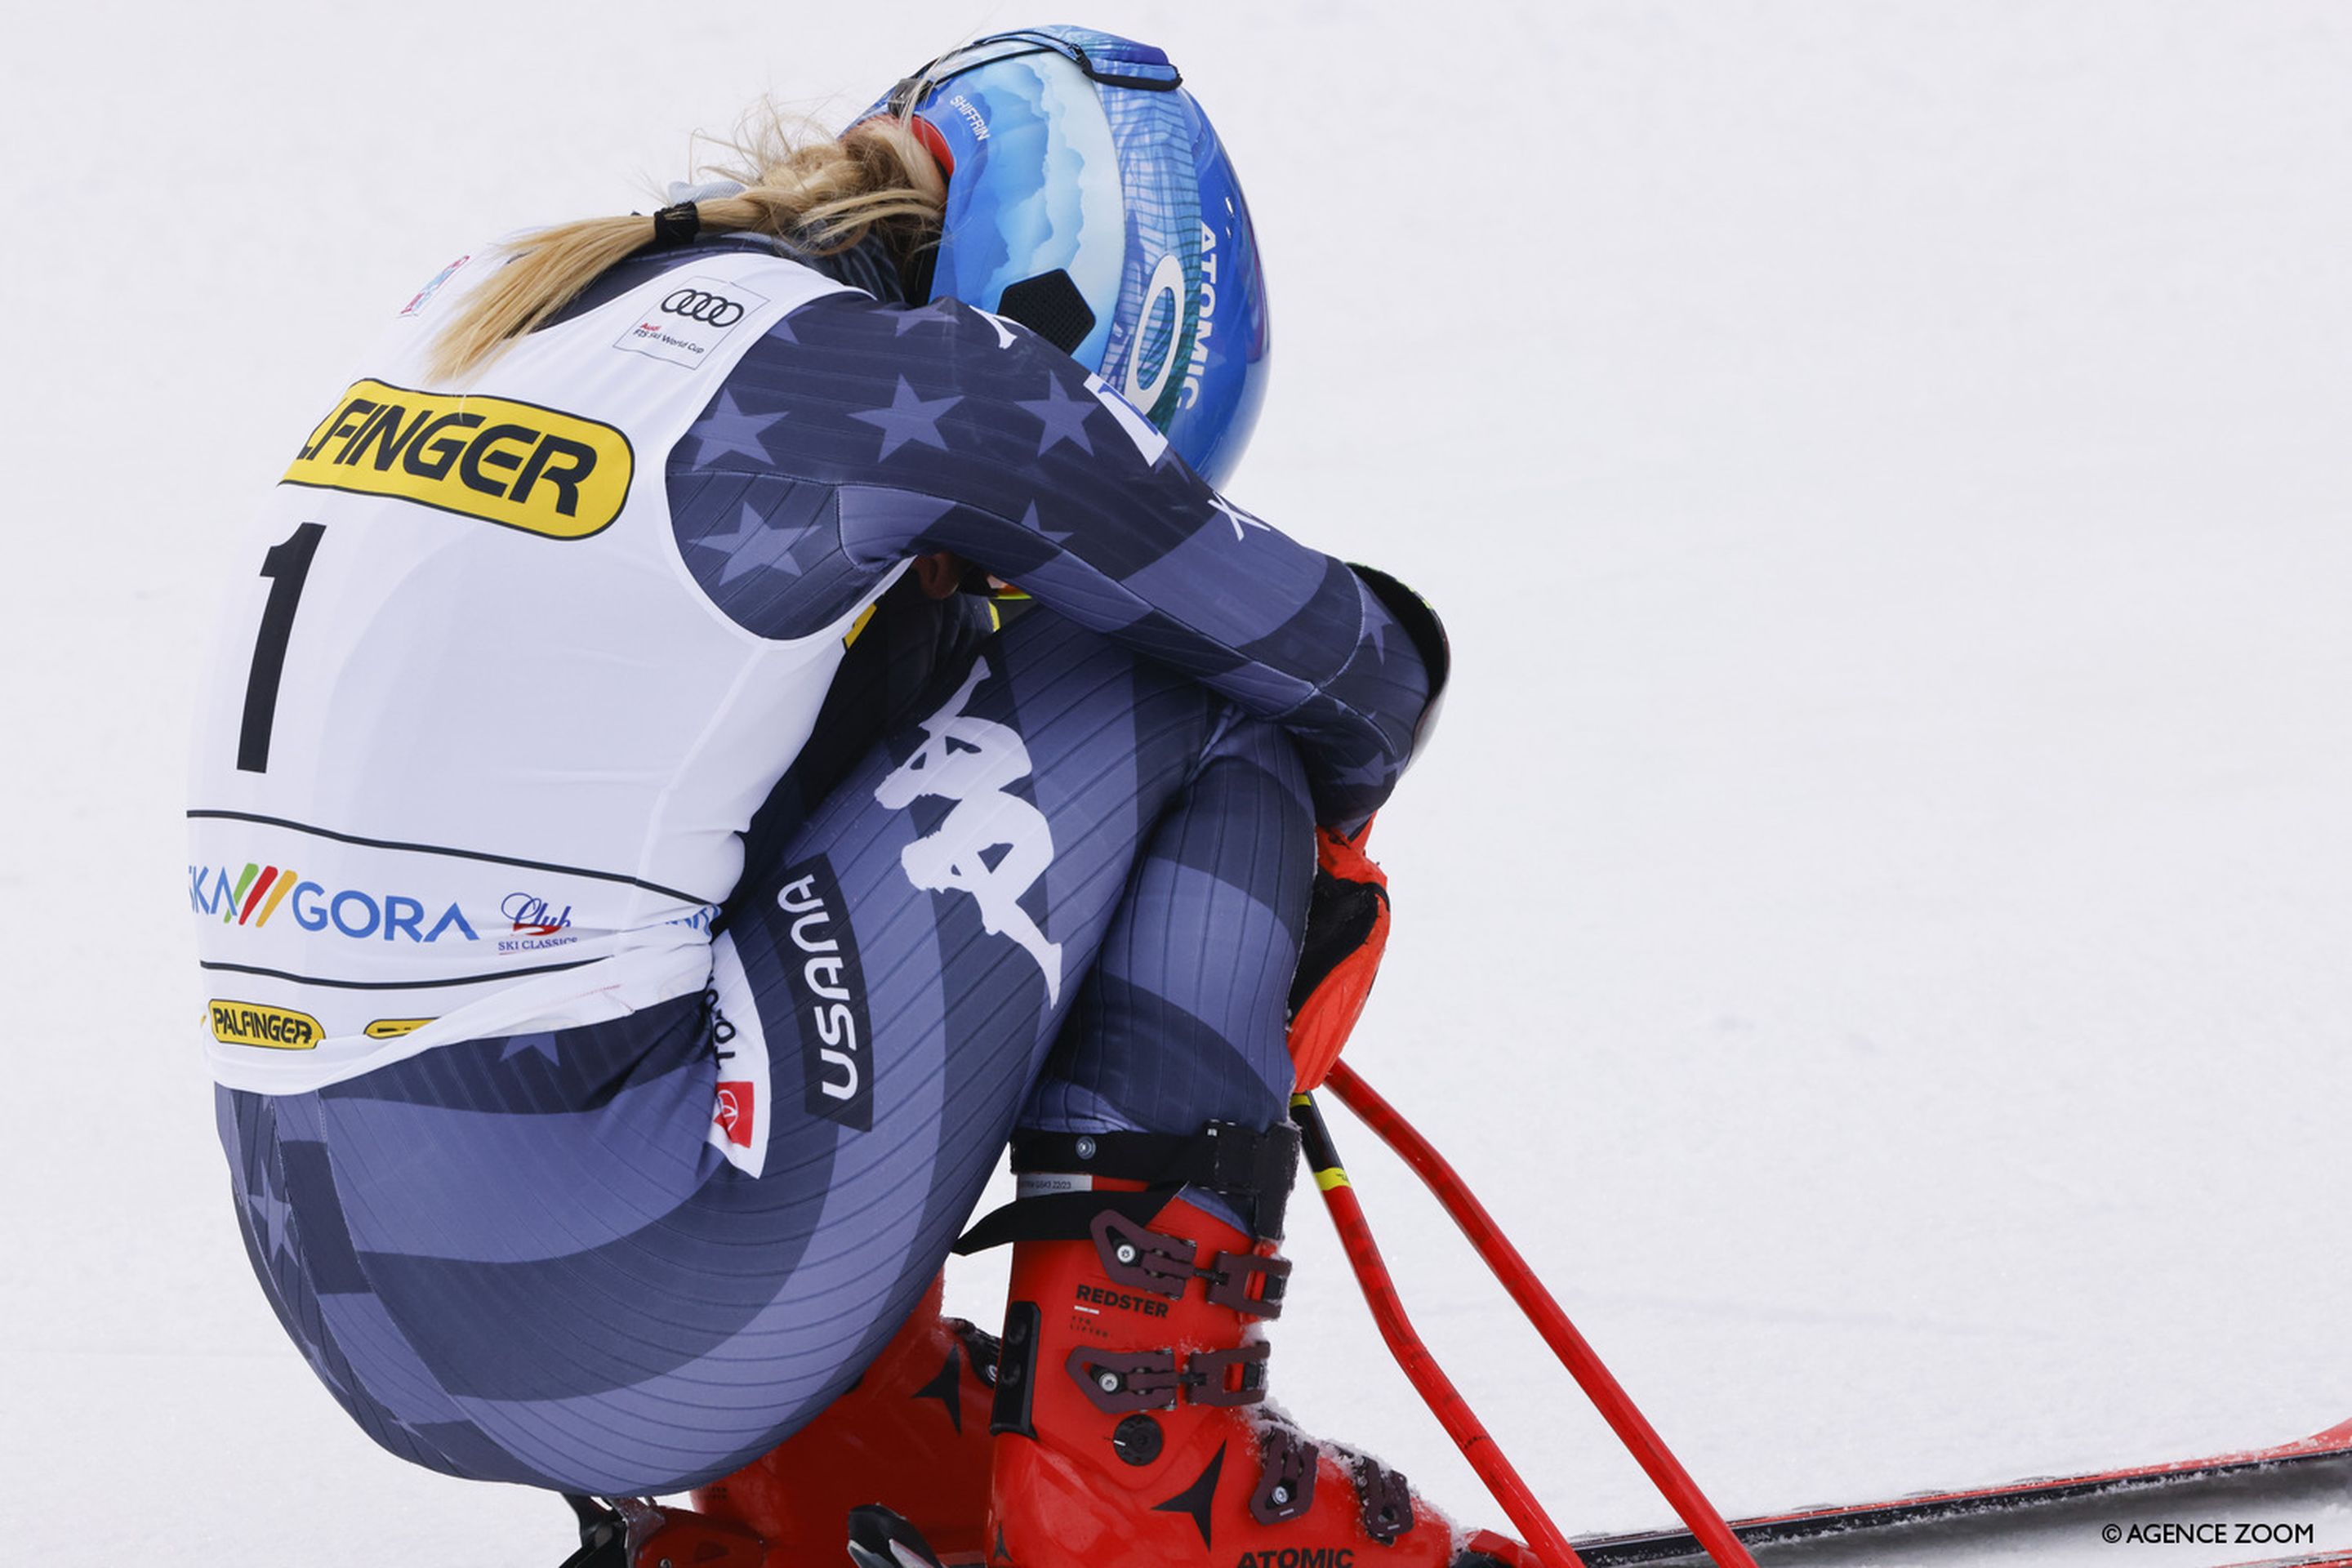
(1089, 199)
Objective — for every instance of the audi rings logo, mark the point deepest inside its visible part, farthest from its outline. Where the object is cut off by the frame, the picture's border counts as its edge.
(702, 305)
(694, 315)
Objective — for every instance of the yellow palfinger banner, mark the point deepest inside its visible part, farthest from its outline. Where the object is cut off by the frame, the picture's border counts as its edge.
(514, 464)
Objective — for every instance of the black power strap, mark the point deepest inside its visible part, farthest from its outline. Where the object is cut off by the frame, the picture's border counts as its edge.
(1057, 1217)
(1225, 1157)
(1250, 1169)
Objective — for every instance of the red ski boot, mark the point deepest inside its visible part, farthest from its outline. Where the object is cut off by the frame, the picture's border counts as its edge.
(1132, 1431)
(913, 1435)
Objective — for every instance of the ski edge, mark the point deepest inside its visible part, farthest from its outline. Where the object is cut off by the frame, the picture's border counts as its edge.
(1811, 1522)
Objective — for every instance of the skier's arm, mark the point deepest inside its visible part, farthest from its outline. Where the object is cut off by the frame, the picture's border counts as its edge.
(943, 429)
(1291, 635)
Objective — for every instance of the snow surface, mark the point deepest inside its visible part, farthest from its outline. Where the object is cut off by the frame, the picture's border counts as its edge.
(1874, 925)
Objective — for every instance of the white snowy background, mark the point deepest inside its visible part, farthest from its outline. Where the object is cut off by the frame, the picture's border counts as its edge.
(1876, 923)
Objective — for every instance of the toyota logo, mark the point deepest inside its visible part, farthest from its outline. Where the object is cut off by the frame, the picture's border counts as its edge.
(698, 305)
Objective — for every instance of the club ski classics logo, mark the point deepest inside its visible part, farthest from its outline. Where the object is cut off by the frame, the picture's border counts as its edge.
(828, 987)
(514, 464)
(992, 845)
(254, 897)
(271, 1029)
(690, 320)
(535, 924)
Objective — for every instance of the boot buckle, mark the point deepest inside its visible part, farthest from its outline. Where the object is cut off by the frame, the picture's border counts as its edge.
(1383, 1500)
(1122, 1382)
(1285, 1482)
(1227, 1377)
(1143, 1260)
(1232, 1276)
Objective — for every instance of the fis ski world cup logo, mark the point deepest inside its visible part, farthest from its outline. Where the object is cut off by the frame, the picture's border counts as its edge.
(256, 896)
(692, 320)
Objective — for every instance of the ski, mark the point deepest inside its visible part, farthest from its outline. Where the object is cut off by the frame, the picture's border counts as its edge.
(1803, 1523)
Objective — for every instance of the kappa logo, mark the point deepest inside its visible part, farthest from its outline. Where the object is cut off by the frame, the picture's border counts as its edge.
(993, 846)
(271, 1029)
(251, 898)
(828, 987)
(513, 464)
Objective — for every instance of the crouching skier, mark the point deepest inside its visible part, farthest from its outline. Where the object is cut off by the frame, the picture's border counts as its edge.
(641, 892)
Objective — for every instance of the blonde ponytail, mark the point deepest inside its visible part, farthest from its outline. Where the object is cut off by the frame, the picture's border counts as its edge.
(820, 194)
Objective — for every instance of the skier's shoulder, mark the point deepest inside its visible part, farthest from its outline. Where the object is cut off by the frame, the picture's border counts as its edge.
(973, 354)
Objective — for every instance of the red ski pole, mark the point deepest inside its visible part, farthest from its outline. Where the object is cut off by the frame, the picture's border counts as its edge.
(1608, 1397)
(1436, 1390)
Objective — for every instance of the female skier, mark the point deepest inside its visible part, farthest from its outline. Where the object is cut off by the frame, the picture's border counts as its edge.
(643, 881)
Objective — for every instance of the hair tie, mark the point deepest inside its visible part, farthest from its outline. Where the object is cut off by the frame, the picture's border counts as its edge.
(675, 225)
